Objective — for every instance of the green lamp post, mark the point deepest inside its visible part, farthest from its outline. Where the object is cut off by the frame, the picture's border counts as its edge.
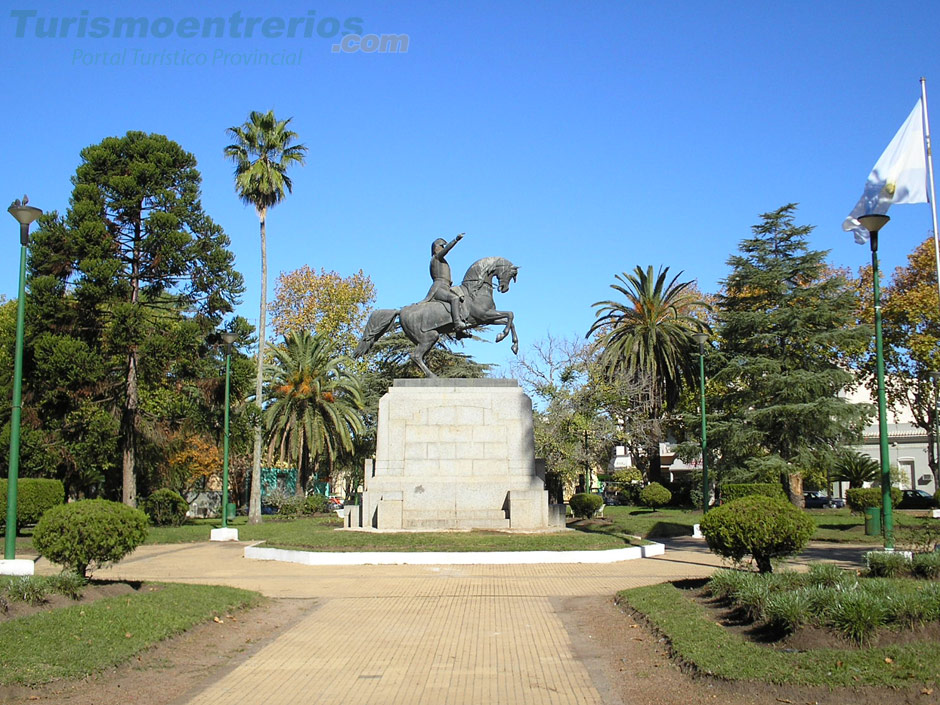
(874, 223)
(228, 338)
(225, 533)
(24, 215)
(701, 339)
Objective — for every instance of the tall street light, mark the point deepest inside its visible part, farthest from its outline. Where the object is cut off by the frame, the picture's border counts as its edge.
(874, 223)
(701, 339)
(24, 215)
(225, 533)
(935, 376)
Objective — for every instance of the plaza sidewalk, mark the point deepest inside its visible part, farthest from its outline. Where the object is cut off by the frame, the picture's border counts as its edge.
(412, 635)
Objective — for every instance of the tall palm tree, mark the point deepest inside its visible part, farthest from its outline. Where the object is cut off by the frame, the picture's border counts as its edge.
(315, 414)
(647, 338)
(263, 149)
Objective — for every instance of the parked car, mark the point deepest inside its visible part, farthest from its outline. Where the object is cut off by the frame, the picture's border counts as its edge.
(916, 499)
(817, 499)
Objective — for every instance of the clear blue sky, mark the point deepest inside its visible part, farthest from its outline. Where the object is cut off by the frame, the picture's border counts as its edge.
(576, 139)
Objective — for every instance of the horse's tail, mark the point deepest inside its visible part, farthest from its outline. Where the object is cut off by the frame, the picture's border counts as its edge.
(377, 326)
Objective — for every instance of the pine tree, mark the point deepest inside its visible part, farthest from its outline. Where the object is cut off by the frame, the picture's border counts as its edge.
(786, 329)
(123, 291)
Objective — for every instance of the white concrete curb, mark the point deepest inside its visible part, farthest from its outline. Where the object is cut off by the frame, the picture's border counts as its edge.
(615, 555)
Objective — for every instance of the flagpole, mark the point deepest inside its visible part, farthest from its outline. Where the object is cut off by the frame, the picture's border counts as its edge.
(930, 182)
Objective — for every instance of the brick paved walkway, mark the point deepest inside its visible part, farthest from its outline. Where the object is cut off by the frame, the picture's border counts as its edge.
(481, 635)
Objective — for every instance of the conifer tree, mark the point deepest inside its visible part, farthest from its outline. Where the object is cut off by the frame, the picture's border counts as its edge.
(786, 332)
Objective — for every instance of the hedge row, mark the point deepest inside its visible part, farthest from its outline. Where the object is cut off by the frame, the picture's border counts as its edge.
(34, 497)
(737, 490)
(858, 498)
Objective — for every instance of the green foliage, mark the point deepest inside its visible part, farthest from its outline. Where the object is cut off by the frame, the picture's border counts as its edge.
(33, 497)
(123, 292)
(315, 504)
(627, 476)
(315, 413)
(859, 498)
(736, 490)
(585, 505)
(654, 495)
(292, 506)
(761, 527)
(787, 610)
(787, 324)
(887, 565)
(856, 469)
(35, 589)
(89, 533)
(166, 508)
(926, 565)
(857, 615)
(25, 588)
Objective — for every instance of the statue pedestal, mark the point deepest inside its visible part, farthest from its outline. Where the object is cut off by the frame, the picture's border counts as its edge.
(454, 454)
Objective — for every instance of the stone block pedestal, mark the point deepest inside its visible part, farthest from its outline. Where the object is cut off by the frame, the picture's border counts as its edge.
(454, 454)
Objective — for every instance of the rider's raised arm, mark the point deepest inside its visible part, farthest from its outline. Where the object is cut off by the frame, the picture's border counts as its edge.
(449, 246)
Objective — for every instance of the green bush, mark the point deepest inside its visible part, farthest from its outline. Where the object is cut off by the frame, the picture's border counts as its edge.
(33, 497)
(788, 610)
(585, 505)
(857, 615)
(315, 504)
(887, 565)
(858, 498)
(91, 532)
(166, 508)
(737, 490)
(926, 565)
(654, 495)
(292, 506)
(759, 526)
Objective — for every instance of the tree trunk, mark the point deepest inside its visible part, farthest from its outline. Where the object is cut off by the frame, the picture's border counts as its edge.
(254, 505)
(129, 433)
(763, 564)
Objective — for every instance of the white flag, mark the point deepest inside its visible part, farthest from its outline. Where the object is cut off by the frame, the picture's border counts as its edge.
(899, 176)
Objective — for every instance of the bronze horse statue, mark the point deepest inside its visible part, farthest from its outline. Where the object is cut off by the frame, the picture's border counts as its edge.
(425, 322)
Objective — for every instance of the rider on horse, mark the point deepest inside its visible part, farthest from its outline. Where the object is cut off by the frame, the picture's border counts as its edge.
(441, 287)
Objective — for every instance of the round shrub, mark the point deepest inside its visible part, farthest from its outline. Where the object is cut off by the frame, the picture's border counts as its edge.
(166, 508)
(292, 506)
(585, 505)
(759, 526)
(91, 532)
(315, 504)
(654, 495)
(858, 498)
(33, 497)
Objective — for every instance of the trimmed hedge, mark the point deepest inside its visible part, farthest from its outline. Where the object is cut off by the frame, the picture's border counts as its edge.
(762, 527)
(34, 496)
(737, 490)
(166, 508)
(585, 505)
(655, 495)
(91, 532)
(858, 498)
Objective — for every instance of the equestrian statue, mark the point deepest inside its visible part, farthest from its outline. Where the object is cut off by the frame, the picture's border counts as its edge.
(448, 309)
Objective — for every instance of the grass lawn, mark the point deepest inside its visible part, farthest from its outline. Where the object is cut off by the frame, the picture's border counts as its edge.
(712, 650)
(320, 534)
(72, 642)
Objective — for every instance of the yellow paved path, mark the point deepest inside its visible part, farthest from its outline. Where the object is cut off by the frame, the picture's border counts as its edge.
(411, 635)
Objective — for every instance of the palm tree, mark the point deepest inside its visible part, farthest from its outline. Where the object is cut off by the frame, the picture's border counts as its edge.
(856, 469)
(315, 414)
(262, 150)
(648, 338)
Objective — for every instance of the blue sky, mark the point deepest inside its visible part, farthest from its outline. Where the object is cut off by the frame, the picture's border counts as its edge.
(576, 139)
